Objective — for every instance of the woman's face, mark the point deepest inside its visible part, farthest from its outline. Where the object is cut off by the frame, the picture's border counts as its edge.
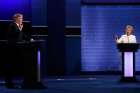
(129, 31)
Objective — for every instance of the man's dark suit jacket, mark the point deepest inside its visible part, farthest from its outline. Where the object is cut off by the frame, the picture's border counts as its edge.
(14, 34)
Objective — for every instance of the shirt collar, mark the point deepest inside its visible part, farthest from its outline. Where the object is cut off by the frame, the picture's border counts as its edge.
(17, 24)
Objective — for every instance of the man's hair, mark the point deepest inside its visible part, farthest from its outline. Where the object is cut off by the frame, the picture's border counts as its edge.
(16, 16)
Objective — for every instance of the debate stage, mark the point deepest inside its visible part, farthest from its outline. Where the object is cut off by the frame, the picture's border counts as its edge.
(81, 84)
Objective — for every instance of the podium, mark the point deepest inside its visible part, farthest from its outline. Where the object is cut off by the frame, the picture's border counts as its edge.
(31, 54)
(128, 61)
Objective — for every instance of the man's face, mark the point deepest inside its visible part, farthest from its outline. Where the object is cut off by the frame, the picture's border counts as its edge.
(20, 19)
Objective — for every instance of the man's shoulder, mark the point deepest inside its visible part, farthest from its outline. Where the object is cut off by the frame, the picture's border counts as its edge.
(12, 24)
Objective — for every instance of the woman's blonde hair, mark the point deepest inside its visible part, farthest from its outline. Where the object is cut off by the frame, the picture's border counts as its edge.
(129, 27)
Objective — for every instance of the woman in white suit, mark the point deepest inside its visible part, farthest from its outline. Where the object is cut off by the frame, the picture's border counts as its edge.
(128, 37)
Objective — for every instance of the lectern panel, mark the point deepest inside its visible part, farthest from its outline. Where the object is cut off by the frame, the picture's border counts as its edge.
(128, 64)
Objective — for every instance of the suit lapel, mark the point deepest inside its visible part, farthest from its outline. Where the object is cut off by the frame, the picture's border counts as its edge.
(17, 28)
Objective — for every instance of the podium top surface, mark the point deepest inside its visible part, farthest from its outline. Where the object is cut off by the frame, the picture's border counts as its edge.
(37, 43)
(128, 47)
(128, 44)
(33, 41)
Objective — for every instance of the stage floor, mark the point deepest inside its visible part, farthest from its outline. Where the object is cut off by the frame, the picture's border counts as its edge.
(82, 84)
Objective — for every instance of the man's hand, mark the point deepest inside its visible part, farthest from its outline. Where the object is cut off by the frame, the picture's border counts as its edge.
(21, 27)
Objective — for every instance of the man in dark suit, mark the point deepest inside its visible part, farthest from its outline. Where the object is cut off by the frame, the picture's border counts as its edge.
(15, 34)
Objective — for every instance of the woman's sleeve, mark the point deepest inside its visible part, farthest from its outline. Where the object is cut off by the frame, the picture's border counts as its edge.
(135, 40)
(120, 40)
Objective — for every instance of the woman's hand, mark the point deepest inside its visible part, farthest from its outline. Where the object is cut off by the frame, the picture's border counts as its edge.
(116, 38)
